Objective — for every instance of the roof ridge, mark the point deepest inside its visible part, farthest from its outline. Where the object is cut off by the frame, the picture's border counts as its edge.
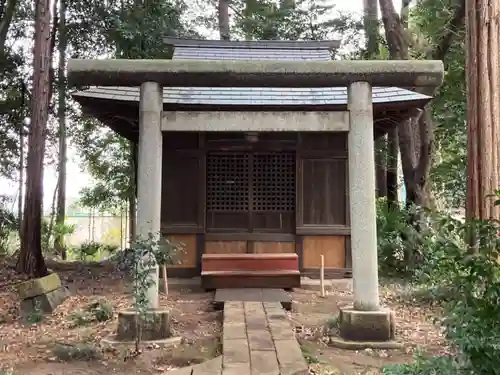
(253, 44)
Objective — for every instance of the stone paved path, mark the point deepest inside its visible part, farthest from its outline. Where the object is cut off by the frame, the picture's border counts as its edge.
(257, 339)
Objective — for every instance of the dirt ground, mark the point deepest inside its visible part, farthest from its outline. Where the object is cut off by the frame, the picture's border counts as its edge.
(29, 349)
(415, 328)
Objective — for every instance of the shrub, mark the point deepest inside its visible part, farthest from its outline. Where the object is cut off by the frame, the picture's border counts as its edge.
(471, 317)
(425, 366)
(98, 311)
(8, 225)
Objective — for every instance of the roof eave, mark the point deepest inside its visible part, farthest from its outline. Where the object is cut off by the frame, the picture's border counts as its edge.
(259, 44)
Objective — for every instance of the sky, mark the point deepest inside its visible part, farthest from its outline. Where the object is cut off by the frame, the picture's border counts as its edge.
(77, 179)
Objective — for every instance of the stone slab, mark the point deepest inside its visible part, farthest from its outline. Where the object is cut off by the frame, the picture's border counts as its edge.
(356, 325)
(236, 369)
(234, 331)
(290, 357)
(210, 367)
(281, 331)
(44, 303)
(260, 340)
(223, 296)
(37, 287)
(264, 363)
(256, 323)
(235, 351)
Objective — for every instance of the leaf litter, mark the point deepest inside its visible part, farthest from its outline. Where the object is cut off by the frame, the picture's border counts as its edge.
(29, 348)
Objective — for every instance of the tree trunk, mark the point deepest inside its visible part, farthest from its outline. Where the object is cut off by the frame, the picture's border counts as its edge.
(223, 12)
(30, 259)
(416, 157)
(132, 200)
(61, 114)
(22, 131)
(398, 50)
(483, 117)
(381, 166)
(392, 182)
(370, 22)
(132, 222)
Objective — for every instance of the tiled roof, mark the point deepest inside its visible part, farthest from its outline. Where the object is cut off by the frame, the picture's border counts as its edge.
(214, 53)
(253, 50)
(252, 96)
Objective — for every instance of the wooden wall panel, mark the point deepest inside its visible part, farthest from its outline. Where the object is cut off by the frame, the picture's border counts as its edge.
(324, 192)
(273, 247)
(225, 247)
(187, 257)
(332, 247)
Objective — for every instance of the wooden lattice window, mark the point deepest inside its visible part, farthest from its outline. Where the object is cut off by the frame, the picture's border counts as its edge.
(228, 182)
(273, 182)
(260, 182)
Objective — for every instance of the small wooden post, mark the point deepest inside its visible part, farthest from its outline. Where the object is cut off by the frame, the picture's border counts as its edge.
(322, 275)
(165, 281)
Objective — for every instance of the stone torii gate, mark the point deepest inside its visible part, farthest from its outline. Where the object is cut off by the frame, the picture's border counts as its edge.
(365, 320)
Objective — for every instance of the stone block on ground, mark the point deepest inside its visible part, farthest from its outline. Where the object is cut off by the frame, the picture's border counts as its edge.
(236, 369)
(260, 340)
(37, 287)
(234, 331)
(290, 357)
(264, 363)
(235, 351)
(155, 325)
(356, 325)
(45, 303)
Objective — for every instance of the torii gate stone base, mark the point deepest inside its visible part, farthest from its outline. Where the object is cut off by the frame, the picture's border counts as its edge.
(365, 323)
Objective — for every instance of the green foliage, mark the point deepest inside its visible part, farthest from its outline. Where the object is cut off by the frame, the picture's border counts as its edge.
(51, 230)
(401, 246)
(141, 260)
(92, 250)
(423, 365)
(430, 19)
(471, 317)
(8, 225)
(36, 316)
(98, 311)
(169, 251)
(88, 249)
(461, 261)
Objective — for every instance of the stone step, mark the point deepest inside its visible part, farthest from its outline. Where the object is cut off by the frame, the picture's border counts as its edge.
(279, 279)
(250, 262)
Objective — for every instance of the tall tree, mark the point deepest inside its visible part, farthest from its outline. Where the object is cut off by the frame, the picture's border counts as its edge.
(372, 51)
(416, 136)
(483, 115)
(30, 259)
(61, 114)
(223, 14)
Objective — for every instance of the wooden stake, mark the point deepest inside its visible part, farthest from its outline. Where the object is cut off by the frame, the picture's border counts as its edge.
(165, 281)
(322, 275)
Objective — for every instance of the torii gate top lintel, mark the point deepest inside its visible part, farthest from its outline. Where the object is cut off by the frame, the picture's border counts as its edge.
(424, 74)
